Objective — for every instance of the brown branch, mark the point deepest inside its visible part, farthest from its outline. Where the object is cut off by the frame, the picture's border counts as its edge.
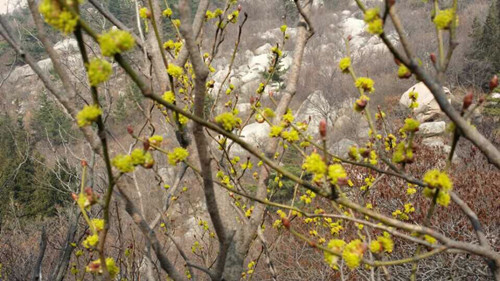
(149, 234)
(201, 72)
(198, 21)
(37, 269)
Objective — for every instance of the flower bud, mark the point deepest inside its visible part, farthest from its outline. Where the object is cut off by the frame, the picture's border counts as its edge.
(467, 101)
(286, 222)
(349, 38)
(88, 191)
(493, 82)
(433, 58)
(84, 163)
(252, 100)
(322, 128)
(482, 99)
(239, 8)
(130, 129)
(74, 196)
(146, 145)
(360, 104)
(398, 62)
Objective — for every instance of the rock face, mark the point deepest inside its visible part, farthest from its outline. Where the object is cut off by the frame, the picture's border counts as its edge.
(341, 148)
(69, 45)
(430, 129)
(428, 108)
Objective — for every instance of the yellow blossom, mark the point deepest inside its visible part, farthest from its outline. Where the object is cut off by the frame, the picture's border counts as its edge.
(99, 71)
(314, 164)
(88, 114)
(115, 41)
(179, 154)
(174, 70)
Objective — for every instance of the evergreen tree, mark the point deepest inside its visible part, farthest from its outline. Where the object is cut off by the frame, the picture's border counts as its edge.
(484, 56)
(51, 122)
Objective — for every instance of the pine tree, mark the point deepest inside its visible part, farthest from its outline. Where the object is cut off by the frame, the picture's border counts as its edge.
(484, 56)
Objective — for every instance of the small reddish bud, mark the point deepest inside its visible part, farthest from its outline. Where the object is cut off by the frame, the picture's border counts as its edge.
(239, 8)
(271, 93)
(349, 38)
(312, 244)
(74, 196)
(493, 82)
(84, 163)
(482, 99)
(467, 101)
(88, 191)
(130, 129)
(342, 181)
(146, 145)
(365, 153)
(433, 58)
(286, 222)
(398, 62)
(252, 100)
(361, 103)
(322, 128)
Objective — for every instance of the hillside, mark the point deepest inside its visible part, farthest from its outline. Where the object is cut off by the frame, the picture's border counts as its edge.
(167, 178)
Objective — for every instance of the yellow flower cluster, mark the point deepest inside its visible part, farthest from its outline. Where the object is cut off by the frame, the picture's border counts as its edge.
(228, 120)
(402, 153)
(403, 72)
(88, 114)
(411, 125)
(344, 64)
(167, 12)
(353, 253)
(444, 18)
(123, 163)
(98, 224)
(174, 70)
(210, 15)
(375, 23)
(169, 96)
(314, 164)
(383, 243)
(365, 83)
(233, 17)
(155, 140)
(437, 179)
(413, 97)
(144, 13)
(179, 154)
(288, 117)
(336, 172)
(115, 41)
(291, 135)
(91, 241)
(337, 246)
(99, 71)
(57, 16)
(438, 182)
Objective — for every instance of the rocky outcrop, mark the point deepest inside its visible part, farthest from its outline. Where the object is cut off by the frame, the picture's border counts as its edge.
(431, 129)
(428, 108)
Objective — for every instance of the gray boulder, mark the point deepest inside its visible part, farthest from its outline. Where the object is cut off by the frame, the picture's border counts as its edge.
(430, 129)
